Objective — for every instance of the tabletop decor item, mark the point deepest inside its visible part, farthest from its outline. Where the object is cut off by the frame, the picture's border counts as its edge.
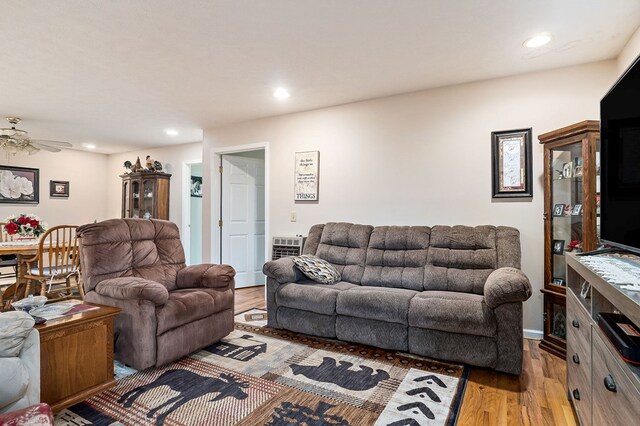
(31, 302)
(25, 226)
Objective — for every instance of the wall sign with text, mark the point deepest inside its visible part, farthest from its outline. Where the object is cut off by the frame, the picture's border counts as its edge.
(305, 184)
(511, 157)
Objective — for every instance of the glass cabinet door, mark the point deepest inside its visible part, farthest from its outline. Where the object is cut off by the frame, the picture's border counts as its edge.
(567, 207)
(147, 206)
(135, 196)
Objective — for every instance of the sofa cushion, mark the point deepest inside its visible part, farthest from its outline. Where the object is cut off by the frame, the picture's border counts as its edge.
(461, 313)
(344, 245)
(317, 269)
(15, 327)
(312, 297)
(396, 257)
(460, 258)
(188, 305)
(376, 303)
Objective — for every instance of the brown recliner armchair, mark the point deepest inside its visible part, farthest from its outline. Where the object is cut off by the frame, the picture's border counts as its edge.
(168, 309)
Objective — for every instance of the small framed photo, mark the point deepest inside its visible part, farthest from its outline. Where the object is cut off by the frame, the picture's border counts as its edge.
(558, 210)
(196, 186)
(59, 188)
(577, 171)
(558, 281)
(568, 209)
(558, 247)
(577, 210)
(512, 175)
(567, 170)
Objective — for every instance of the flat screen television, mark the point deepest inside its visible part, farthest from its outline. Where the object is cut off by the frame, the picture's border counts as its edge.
(620, 162)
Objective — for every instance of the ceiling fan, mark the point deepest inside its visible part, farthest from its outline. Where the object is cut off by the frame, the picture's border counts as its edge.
(15, 140)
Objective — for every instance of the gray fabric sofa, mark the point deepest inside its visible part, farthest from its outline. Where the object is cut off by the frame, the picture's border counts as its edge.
(450, 293)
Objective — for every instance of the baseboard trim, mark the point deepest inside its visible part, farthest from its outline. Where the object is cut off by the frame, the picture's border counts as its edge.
(532, 334)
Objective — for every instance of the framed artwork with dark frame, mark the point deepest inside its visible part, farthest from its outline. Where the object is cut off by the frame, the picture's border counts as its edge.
(558, 247)
(59, 188)
(196, 186)
(19, 185)
(512, 164)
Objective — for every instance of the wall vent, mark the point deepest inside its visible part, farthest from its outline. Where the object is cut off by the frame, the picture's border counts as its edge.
(286, 246)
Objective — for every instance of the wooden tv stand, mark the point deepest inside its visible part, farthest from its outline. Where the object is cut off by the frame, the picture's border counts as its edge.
(604, 389)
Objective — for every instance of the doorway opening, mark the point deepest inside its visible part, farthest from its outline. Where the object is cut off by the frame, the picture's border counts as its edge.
(192, 228)
(243, 213)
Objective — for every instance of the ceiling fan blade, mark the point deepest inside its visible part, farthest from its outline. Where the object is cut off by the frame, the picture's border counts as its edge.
(54, 143)
(45, 147)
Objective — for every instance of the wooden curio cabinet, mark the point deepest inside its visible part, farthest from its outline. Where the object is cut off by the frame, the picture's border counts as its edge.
(145, 195)
(571, 216)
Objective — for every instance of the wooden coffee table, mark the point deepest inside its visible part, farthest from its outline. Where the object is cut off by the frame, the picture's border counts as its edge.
(76, 356)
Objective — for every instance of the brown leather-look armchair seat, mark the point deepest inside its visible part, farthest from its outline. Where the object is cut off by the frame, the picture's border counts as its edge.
(168, 309)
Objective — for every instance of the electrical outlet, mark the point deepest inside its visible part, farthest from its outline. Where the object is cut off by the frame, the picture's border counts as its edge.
(294, 216)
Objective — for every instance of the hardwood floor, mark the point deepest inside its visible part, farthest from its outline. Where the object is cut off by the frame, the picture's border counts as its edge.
(537, 397)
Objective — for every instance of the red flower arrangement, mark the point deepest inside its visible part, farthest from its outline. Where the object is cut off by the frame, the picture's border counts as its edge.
(25, 225)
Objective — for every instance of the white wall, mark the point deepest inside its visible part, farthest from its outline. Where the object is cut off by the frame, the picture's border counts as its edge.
(172, 158)
(630, 52)
(87, 176)
(420, 159)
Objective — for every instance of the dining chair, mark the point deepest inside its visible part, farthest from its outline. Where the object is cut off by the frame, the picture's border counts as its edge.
(55, 264)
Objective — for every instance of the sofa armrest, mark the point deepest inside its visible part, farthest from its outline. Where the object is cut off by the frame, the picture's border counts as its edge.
(15, 327)
(133, 288)
(506, 285)
(282, 270)
(206, 275)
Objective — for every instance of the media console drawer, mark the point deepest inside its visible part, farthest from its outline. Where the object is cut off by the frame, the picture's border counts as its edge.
(613, 393)
(579, 358)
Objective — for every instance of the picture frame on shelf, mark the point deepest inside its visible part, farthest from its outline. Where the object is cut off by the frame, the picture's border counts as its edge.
(558, 210)
(577, 171)
(511, 158)
(568, 208)
(59, 188)
(567, 170)
(558, 247)
(558, 281)
(584, 291)
(21, 185)
(577, 210)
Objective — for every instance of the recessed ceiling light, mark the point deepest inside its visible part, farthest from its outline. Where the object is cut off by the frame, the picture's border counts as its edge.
(171, 132)
(89, 145)
(281, 93)
(538, 40)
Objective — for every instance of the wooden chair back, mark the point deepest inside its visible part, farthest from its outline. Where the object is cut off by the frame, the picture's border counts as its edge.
(58, 250)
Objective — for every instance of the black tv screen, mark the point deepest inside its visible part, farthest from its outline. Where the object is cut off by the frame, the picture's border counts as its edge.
(620, 162)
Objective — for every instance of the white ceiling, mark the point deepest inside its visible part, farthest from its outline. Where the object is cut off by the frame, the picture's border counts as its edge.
(117, 73)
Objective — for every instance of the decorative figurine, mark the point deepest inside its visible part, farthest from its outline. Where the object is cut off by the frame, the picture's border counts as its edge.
(149, 163)
(127, 167)
(157, 166)
(138, 166)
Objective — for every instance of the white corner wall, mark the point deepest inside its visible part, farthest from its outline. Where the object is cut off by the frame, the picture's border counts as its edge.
(630, 52)
(172, 158)
(420, 159)
(87, 176)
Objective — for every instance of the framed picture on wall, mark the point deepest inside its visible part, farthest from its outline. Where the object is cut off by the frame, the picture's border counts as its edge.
(512, 164)
(305, 180)
(59, 188)
(19, 185)
(196, 186)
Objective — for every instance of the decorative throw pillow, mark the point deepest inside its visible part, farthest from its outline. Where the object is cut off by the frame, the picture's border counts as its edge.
(317, 269)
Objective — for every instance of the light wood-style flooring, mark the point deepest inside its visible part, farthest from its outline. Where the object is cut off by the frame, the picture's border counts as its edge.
(537, 397)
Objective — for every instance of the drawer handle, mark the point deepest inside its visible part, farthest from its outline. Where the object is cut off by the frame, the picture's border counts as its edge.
(575, 323)
(610, 384)
(576, 394)
(576, 358)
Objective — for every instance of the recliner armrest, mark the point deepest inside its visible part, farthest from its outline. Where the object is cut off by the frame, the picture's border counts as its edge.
(282, 270)
(506, 285)
(133, 288)
(206, 275)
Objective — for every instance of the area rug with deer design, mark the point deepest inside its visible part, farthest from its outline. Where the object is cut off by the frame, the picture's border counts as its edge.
(261, 376)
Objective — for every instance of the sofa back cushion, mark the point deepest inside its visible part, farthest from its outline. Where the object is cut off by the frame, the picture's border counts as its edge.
(460, 258)
(149, 249)
(397, 256)
(344, 245)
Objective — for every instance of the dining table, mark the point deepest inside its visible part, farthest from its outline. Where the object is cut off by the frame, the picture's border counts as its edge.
(23, 249)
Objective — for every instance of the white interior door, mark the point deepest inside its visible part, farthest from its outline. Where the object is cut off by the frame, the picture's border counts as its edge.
(243, 216)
